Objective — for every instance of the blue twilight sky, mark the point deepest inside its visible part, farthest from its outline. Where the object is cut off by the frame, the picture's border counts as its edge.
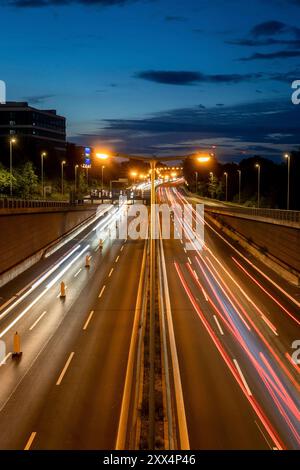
(159, 76)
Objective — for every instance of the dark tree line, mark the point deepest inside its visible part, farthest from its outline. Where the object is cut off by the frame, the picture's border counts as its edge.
(273, 180)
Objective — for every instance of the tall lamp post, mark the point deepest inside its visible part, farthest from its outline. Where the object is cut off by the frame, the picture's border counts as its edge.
(240, 184)
(258, 184)
(226, 185)
(75, 177)
(62, 176)
(196, 173)
(288, 158)
(12, 141)
(102, 156)
(43, 155)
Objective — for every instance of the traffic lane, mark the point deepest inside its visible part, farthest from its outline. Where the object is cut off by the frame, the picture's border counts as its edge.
(251, 307)
(88, 401)
(285, 323)
(37, 387)
(218, 414)
(15, 287)
(279, 308)
(35, 329)
(252, 357)
(292, 290)
(47, 278)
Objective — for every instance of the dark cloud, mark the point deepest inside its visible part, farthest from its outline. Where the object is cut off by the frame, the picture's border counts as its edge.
(286, 77)
(38, 99)
(271, 55)
(294, 43)
(191, 78)
(47, 3)
(268, 28)
(263, 35)
(269, 125)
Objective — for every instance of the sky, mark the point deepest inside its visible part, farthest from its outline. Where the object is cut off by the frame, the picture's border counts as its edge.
(159, 77)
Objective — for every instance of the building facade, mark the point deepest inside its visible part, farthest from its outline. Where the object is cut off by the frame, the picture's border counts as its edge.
(34, 131)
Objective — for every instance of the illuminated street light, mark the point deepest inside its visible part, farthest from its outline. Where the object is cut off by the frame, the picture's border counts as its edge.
(288, 158)
(258, 184)
(203, 158)
(102, 171)
(62, 176)
(226, 185)
(43, 155)
(12, 141)
(75, 177)
(102, 156)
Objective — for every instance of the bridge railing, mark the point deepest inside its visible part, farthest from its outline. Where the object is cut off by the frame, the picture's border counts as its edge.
(279, 215)
(12, 203)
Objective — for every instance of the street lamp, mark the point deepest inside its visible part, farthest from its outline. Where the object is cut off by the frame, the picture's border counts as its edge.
(102, 170)
(203, 158)
(43, 155)
(133, 174)
(62, 176)
(102, 156)
(196, 173)
(12, 141)
(240, 184)
(288, 158)
(75, 177)
(226, 185)
(258, 184)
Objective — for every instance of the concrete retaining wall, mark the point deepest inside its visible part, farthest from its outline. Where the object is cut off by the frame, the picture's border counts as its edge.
(25, 234)
(276, 246)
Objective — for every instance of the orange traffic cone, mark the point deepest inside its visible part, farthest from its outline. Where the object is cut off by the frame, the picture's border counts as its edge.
(17, 345)
(62, 289)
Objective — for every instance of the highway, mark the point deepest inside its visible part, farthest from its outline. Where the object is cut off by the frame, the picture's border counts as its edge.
(234, 322)
(234, 327)
(66, 390)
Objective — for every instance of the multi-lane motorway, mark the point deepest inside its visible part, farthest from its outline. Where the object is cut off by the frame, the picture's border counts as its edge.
(234, 327)
(234, 324)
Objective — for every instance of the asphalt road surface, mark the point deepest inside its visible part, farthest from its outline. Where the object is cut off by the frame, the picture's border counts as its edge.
(65, 391)
(234, 331)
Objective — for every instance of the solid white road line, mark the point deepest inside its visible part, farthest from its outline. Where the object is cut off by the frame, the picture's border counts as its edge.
(117, 258)
(88, 320)
(76, 274)
(218, 325)
(101, 292)
(30, 441)
(189, 260)
(110, 272)
(65, 369)
(7, 302)
(2, 363)
(36, 322)
(263, 435)
(242, 377)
